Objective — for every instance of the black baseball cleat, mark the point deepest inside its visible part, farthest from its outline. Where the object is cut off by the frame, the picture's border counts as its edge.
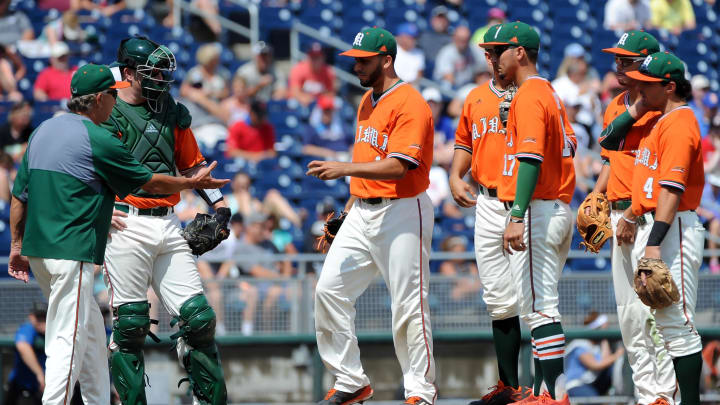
(501, 394)
(335, 397)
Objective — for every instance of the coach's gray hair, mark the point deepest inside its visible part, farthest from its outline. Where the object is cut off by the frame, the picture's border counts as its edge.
(82, 104)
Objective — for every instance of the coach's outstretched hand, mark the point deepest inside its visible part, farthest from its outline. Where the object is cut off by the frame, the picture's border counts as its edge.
(18, 265)
(203, 179)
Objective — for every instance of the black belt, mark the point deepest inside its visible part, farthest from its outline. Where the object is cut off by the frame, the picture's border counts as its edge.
(375, 200)
(492, 192)
(153, 212)
(620, 205)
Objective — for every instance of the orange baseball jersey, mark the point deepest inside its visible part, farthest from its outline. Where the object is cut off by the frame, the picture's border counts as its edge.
(567, 188)
(187, 156)
(538, 129)
(398, 125)
(622, 162)
(669, 156)
(481, 133)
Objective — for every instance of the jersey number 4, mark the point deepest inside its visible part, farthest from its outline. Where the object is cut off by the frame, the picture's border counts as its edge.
(648, 188)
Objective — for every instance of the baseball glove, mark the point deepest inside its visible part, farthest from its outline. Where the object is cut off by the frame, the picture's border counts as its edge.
(505, 104)
(205, 232)
(594, 227)
(659, 290)
(332, 226)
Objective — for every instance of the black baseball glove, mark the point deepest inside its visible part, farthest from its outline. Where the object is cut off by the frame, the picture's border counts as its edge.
(205, 232)
(332, 226)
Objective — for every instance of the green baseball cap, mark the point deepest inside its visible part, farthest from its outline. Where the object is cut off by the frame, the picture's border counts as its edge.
(511, 33)
(371, 42)
(635, 43)
(92, 78)
(658, 67)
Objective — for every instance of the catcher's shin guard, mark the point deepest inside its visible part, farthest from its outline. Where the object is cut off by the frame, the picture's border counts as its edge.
(130, 327)
(200, 359)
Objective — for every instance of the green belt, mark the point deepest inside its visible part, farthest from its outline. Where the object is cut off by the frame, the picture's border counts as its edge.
(620, 205)
(153, 212)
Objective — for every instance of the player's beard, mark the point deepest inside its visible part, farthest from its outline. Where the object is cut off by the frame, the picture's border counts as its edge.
(373, 77)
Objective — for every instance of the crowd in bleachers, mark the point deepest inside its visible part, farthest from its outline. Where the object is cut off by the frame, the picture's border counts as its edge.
(263, 119)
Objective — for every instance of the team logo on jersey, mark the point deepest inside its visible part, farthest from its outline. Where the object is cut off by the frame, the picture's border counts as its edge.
(151, 129)
(370, 135)
(679, 169)
(643, 158)
(490, 126)
(358, 39)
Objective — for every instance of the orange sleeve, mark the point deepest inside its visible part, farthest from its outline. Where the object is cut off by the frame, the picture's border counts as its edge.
(187, 153)
(409, 135)
(530, 128)
(675, 151)
(463, 133)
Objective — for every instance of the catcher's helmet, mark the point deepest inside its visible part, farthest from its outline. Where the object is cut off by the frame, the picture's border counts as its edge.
(154, 64)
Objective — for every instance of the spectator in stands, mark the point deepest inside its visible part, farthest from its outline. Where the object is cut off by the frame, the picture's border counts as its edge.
(253, 140)
(579, 87)
(312, 77)
(700, 90)
(189, 206)
(323, 209)
(432, 40)
(326, 134)
(675, 16)
(206, 28)
(588, 362)
(242, 201)
(205, 86)
(457, 61)
(236, 107)
(263, 80)
(409, 61)
(15, 133)
(495, 16)
(586, 166)
(465, 272)
(53, 82)
(14, 25)
(482, 74)
(11, 70)
(626, 15)
(444, 128)
(106, 7)
(709, 209)
(218, 265)
(67, 28)
(27, 378)
(7, 176)
(610, 89)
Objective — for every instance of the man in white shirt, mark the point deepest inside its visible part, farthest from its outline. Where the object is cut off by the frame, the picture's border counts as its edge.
(410, 61)
(625, 15)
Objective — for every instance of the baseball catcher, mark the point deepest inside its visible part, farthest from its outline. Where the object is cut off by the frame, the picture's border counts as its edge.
(593, 222)
(654, 284)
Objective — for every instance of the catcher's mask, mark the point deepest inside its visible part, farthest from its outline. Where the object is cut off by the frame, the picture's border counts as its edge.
(154, 65)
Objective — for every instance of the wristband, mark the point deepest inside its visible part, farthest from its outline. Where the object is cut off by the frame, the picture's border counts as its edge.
(517, 220)
(657, 233)
(629, 221)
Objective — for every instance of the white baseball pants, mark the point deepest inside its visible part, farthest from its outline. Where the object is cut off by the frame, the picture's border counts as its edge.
(537, 269)
(392, 238)
(682, 251)
(652, 369)
(499, 289)
(74, 333)
(150, 251)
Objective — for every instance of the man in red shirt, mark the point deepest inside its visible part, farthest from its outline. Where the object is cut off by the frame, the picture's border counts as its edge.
(253, 140)
(53, 83)
(311, 77)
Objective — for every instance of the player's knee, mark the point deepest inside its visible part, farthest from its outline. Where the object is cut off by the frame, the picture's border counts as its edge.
(198, 322)
(131, 325)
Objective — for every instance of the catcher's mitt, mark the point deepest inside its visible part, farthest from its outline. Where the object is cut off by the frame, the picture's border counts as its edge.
(505, 104)
(659, 290)
(332, 226)
(594, 227)
(205, 232)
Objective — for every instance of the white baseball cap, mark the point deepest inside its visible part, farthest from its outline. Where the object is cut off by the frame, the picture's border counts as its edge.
(699, 82)
(432, 94)
(59, 49)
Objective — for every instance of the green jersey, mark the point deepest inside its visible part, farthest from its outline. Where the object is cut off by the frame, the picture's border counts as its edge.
(69, 177)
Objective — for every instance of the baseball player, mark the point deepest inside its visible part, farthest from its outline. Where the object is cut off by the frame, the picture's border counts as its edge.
(387, 231)
(60, 217)
(536, 138)
(653, 375)
(667, 183)
(146, 246)
(479, 136)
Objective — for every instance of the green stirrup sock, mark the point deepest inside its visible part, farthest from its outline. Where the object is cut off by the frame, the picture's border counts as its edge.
(538, 379)
(506, 336)
(687, 370)
(550, 345)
